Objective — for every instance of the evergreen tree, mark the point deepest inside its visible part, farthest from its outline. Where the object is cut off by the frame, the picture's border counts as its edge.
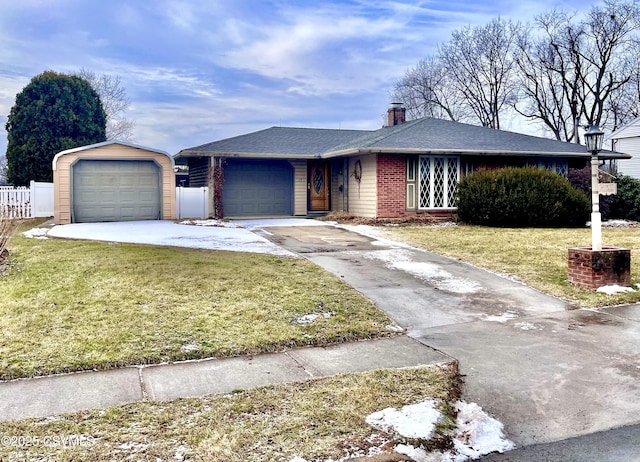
(52, 113)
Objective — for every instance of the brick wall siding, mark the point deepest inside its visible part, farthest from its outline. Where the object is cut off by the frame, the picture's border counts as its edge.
(593, 269)
(391, 186)
(392, 190)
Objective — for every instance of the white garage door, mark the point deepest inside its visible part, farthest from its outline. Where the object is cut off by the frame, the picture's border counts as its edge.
(115, 190)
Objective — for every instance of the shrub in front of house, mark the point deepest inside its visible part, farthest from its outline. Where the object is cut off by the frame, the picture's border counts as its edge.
(521, 197)
(625, 204)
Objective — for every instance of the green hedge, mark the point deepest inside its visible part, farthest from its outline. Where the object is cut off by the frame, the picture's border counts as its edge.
(521, 197)
(625, 203)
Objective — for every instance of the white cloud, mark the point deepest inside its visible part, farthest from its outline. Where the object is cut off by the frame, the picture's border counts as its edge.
(320, 50)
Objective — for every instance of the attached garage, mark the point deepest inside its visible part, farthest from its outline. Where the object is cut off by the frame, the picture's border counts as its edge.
(113, 181)
(255, 188)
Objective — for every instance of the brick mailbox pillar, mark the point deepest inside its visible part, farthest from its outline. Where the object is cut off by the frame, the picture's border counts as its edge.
(596, 268)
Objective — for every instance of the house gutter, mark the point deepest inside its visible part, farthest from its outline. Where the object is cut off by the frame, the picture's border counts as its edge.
(248, 155)
(364, 151)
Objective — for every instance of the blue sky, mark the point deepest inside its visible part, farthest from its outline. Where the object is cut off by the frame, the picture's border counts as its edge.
(199, 71)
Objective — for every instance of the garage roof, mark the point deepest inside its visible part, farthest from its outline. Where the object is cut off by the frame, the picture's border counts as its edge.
(427, 135)
(107, 143)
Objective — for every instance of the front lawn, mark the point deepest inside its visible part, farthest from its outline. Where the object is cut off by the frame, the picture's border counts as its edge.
(78, 305)
(320, 419)
(537, 257)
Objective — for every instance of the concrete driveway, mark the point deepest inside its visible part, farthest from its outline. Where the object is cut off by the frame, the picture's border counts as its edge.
(546, 370)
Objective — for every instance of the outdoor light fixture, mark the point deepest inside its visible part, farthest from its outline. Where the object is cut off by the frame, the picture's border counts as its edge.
(593, 139)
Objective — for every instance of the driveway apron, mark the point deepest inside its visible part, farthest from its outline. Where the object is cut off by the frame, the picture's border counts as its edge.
(545, 369)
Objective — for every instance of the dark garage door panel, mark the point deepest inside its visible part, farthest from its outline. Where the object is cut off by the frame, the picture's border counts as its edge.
(257, 188)
(116, 190)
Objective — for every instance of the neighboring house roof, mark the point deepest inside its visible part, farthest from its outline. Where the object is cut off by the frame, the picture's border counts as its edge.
(427, 135)
(107, 143)
(631, 130)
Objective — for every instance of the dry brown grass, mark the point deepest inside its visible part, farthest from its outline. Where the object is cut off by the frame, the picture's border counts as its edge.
(7, 228)
(537, 257)
(318, 420)
(77, 305)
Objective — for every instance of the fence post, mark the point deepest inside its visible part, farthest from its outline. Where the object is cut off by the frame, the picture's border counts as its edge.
(178, 201)
(205, 202)
(33, 194)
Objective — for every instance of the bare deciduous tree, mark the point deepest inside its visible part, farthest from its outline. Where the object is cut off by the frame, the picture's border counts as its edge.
(624, 104)
(426, 92)
(580, 70)
(562, 72)
(114, 101)
(480, 64)
(610, 29)
(549, 75)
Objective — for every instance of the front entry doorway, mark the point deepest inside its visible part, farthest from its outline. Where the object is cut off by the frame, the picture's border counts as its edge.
(318, 183)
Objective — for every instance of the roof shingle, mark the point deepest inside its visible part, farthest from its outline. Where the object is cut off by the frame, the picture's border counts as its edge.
(426, 135)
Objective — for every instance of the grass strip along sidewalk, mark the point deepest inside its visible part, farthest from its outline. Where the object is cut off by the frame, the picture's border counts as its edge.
(320, 419)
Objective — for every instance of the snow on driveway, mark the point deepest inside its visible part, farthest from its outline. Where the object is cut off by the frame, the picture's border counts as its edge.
(209, 234)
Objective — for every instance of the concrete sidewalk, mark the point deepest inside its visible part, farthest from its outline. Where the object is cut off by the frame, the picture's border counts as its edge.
(51, 395)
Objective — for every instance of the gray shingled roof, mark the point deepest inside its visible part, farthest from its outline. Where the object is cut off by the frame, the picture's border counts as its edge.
(426, 135)
(306, 142)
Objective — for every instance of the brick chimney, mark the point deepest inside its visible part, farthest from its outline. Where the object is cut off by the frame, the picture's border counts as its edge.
(395, 114)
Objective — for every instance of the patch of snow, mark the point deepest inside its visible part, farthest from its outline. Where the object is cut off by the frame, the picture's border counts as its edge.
(37, 233)
(47, 420)
(389, 256)
(411, 421)
(527, 326)
(418, 454)
(190, 347)
(269, 222)
(443, 224)
(179, 454)
(401, 259)
(236, 239)
(502, 318)
(618, 223)
(459, 286)
(394, 328)
(423, 270)
(477, 433)
(614, 289)
(311, 317)
(211, 222)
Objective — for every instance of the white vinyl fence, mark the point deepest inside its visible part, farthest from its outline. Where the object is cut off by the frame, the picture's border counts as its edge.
(22, 202)
(192, 202)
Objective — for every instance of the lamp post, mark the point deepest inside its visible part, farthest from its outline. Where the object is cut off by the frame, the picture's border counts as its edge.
(593, 139)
